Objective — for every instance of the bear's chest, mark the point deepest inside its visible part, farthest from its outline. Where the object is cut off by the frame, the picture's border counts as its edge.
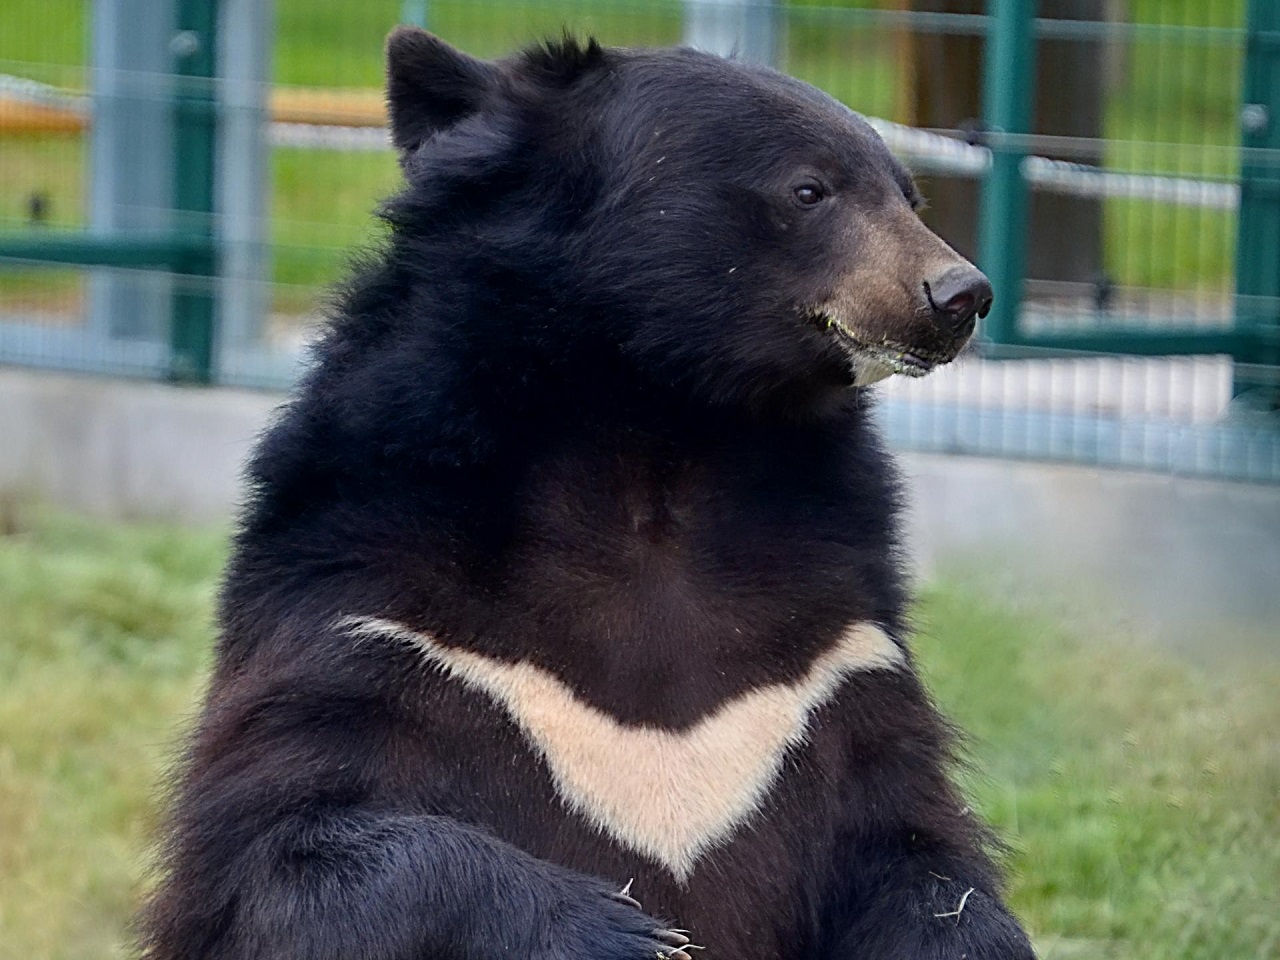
(658, 598)
(671, 794)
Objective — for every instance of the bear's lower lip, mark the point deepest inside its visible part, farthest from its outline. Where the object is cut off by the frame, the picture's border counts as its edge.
(894, 356)
(900, 361)
(914, 365)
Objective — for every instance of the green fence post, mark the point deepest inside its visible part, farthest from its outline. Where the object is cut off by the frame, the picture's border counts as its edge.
(1258, 237)
(414, 12)
(194, 49)
(1007, 96)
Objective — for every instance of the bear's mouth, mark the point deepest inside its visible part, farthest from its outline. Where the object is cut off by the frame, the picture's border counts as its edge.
(874, 360)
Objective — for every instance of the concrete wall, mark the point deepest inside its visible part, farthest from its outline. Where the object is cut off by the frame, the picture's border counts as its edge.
(1193, 563)
(115, 448)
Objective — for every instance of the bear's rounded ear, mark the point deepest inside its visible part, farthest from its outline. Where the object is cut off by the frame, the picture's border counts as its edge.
(430, 85)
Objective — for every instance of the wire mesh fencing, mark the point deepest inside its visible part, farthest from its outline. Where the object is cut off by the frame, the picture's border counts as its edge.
(1146, 334)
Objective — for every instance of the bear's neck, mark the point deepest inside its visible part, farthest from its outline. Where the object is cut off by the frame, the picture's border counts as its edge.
(719, 551)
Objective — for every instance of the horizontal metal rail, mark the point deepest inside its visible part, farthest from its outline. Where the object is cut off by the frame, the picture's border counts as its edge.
(1142, 342)
(56, 248)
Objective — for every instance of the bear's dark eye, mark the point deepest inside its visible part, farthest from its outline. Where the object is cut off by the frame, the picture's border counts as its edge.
(808, 194)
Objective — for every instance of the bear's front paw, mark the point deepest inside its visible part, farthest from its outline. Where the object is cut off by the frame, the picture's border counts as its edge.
(944, 923)
(673, 943)
(611, 925)
(973, 926)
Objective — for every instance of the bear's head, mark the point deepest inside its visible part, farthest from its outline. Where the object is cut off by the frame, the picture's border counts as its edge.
(717, 224)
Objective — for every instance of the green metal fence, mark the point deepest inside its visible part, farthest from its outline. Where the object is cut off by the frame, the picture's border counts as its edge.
(177, 189)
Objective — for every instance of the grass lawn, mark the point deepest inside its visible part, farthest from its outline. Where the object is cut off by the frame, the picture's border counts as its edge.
(1139, 795)
(1172, 98)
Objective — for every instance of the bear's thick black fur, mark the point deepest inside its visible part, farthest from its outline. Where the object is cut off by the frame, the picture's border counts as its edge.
(586, 454)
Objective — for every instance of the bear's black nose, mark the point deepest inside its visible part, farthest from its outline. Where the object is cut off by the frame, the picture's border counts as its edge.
(958, 297)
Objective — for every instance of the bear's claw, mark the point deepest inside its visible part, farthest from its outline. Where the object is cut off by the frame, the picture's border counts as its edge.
(623, 898)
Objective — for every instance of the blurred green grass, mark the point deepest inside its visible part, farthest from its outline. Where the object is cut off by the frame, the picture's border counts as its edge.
(105, 632)
(1138, 794)
(1171, 99)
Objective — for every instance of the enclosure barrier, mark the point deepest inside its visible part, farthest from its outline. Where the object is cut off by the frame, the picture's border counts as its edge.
(178, 191)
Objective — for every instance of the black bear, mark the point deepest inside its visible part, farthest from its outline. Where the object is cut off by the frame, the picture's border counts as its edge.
(570, 579)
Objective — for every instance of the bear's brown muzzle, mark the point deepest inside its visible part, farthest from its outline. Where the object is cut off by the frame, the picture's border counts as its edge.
(909, 305)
